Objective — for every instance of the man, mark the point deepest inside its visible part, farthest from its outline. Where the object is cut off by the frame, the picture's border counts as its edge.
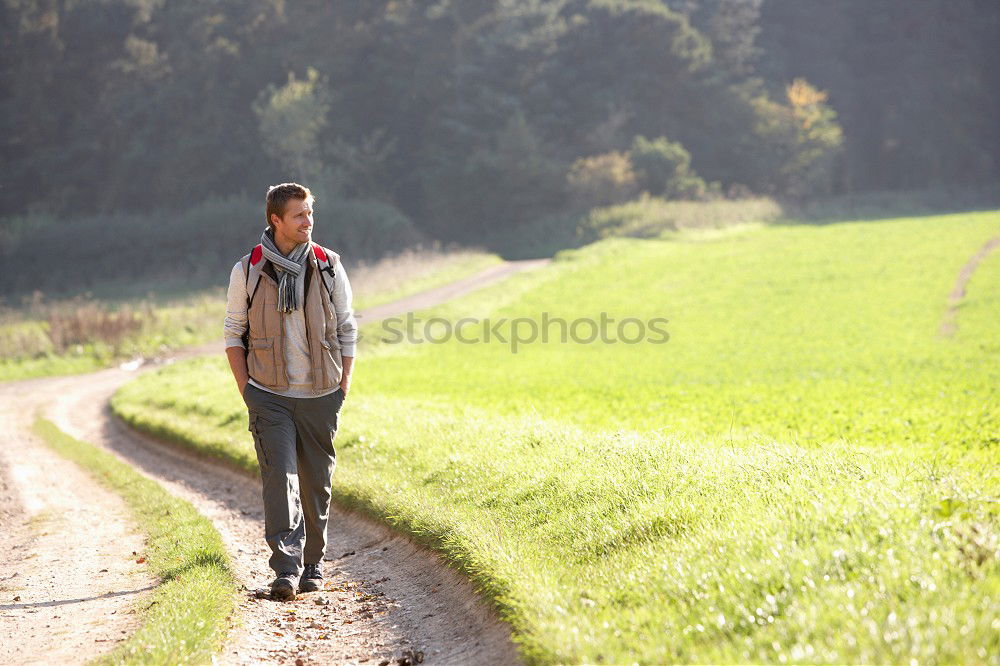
(290, 338)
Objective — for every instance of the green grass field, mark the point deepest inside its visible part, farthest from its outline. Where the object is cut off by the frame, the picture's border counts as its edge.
(803, 472)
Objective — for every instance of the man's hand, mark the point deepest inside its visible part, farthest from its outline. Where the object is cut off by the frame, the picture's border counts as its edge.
(345, 376)
(238, 364)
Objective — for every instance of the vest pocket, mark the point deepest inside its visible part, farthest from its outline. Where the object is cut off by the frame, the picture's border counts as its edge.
(333, 362)
(260, 361)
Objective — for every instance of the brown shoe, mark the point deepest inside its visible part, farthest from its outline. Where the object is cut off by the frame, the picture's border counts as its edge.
(283, 587)
(312, 579)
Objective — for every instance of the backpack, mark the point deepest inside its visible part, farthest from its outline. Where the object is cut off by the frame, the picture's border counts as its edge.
(325, 260)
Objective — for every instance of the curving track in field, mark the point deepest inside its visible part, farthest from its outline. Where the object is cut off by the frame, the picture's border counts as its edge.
(948, 323)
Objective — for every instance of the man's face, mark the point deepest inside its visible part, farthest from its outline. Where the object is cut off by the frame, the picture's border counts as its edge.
(296, 225)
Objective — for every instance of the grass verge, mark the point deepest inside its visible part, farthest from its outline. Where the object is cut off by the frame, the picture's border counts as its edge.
(187, 618)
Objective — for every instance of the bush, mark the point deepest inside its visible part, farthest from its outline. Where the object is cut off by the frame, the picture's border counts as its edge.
(600, 180)
(67, 256)
(664, 169)
(542, 237)
(364, 229)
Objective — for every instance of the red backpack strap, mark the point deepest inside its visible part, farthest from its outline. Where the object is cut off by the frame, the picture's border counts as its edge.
(326, 259)
(252, 272)
(319, 252)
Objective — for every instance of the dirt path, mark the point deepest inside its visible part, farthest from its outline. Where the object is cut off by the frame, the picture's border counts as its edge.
(948, 324)
(69, 579)
(450, 291)
(386, 598)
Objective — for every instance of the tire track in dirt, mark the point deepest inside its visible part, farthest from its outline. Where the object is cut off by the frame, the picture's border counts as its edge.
(385, 596)
(949, 323)
(70, 580)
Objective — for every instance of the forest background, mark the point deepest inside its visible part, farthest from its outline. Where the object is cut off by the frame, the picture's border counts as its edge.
(496, 124)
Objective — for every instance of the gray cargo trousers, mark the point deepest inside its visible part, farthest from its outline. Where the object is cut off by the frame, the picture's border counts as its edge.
(294, 442)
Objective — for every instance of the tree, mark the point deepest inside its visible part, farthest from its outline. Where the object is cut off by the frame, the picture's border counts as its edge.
(800, 142)
(290, 119)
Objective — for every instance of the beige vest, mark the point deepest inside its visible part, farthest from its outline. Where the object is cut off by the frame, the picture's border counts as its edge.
(266, 348)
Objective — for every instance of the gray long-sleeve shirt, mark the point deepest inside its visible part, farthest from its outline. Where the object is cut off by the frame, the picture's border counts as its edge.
(296, 344)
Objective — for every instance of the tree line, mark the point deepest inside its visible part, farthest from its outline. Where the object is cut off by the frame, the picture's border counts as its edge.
(476, 117)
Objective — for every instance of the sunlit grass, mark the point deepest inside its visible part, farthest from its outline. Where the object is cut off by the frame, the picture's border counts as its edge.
(803, 472)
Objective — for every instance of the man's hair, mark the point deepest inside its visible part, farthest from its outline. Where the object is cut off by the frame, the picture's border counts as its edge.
(279, 195)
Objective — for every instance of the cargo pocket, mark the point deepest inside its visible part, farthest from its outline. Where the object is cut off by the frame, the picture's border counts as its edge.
(255, 425)
(260, 361)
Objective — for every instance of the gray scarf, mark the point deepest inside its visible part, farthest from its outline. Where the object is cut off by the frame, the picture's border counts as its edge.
(291, 271)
